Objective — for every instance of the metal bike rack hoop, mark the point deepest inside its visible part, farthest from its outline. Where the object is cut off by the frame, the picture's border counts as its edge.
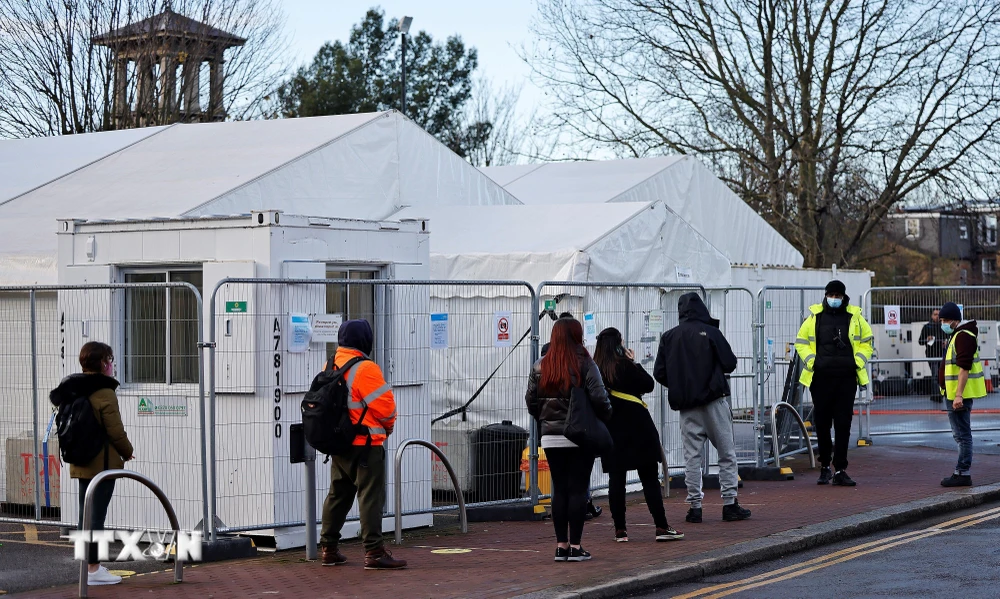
(398, 487)
(774, 433)
(88, 516)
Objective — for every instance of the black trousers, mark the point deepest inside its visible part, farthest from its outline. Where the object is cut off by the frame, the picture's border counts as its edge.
(650, 490)
(102, 499)
(833, 405)
(570, 469)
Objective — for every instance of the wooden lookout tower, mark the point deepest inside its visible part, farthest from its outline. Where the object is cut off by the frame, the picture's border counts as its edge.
(148, 57)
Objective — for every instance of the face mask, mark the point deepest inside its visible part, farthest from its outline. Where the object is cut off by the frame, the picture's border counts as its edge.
(834, 302)
(946, 327)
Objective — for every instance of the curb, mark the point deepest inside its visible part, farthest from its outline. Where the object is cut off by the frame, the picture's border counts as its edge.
(776, 545)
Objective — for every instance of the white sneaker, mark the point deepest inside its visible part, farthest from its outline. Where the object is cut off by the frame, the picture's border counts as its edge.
(102, 577)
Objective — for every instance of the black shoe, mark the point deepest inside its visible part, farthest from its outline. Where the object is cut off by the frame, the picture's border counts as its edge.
(668, 534)
(694, 515)
(578, 554)
(840, 479)
(332, 557)
(733, 512)
(957, 480)
(594, 510)
(825, 475)
(562, 554)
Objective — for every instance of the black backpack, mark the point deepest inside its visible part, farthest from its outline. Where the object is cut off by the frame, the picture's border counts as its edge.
(81, 436)
(326, 415)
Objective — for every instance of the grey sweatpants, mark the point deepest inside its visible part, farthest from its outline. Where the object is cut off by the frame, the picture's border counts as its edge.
(715, 423)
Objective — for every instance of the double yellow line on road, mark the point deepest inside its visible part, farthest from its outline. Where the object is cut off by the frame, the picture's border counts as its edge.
(786, 573)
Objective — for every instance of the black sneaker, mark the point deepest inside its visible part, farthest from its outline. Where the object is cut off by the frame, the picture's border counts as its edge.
(562, 554)
(621, 535)
(694, 515)
(840, 479)
(593, 511)
(578, 554)
(825, 475)
(668, 534)
(733, 512)
(957, 480)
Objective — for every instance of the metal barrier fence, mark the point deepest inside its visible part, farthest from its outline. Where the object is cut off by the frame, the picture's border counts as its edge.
(642, 312)
(457, 354)
(905, 397)
(735, 307)
(781, 311)
(155, 330)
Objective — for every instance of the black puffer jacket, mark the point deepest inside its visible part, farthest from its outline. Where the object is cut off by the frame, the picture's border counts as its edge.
(694, 357)
(551, 411)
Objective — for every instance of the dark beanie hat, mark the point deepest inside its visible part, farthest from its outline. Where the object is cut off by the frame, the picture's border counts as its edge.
(837, 287)
(950, 311)
(356, 334)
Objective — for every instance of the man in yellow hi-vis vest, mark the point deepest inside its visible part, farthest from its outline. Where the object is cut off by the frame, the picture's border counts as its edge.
(834, 344)
(962, 380)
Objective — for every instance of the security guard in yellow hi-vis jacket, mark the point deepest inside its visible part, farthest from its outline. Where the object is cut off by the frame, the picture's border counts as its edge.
(835, 344)
(962, 380)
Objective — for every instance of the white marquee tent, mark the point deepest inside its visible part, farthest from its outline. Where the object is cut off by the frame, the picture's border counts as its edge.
(364, 166)
(628, 242)
(681, 182)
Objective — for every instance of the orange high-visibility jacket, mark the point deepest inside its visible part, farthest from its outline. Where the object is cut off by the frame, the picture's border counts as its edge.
(368, 386)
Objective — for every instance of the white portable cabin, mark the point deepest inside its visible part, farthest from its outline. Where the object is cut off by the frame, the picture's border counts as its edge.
(253, 470)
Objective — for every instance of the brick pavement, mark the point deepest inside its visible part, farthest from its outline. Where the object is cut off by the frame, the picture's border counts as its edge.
(513, 558)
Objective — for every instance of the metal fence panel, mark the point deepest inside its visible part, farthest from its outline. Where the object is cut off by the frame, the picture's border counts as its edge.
(155, 331)
(440, 344)
(781, 311)
(905, 397)
(642, 312)
(736, 310)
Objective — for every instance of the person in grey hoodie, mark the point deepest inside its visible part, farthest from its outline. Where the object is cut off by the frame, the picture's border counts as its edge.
(692, 363)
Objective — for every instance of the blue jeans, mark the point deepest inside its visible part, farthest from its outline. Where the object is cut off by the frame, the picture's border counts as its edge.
(961, 429)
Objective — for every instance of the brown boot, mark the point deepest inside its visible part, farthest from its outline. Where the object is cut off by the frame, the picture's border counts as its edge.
(332, 557)
(381, 559)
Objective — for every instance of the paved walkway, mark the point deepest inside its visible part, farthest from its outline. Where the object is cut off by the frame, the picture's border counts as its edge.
(515, 558)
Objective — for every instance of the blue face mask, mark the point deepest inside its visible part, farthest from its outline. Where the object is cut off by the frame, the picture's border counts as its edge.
(834, 302)
(947, 328)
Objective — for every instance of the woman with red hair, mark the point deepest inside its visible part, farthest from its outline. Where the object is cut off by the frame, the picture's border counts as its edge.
(566, 365)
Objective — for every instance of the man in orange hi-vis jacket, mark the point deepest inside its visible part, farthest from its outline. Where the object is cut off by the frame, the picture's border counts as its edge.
(361, 472)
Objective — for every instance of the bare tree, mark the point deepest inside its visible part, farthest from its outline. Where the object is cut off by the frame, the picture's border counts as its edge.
(822, 114)
(501, 133)
(58, 75)
(491, 118)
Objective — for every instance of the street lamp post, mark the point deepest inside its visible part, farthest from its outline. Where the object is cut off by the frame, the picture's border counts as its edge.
(404, 28)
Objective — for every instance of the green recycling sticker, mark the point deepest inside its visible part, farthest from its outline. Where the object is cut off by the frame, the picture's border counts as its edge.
(550, 305)
(237, 307)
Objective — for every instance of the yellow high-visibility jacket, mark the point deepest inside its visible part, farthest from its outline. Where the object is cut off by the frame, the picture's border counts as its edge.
(861, 341)
(976, 385)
